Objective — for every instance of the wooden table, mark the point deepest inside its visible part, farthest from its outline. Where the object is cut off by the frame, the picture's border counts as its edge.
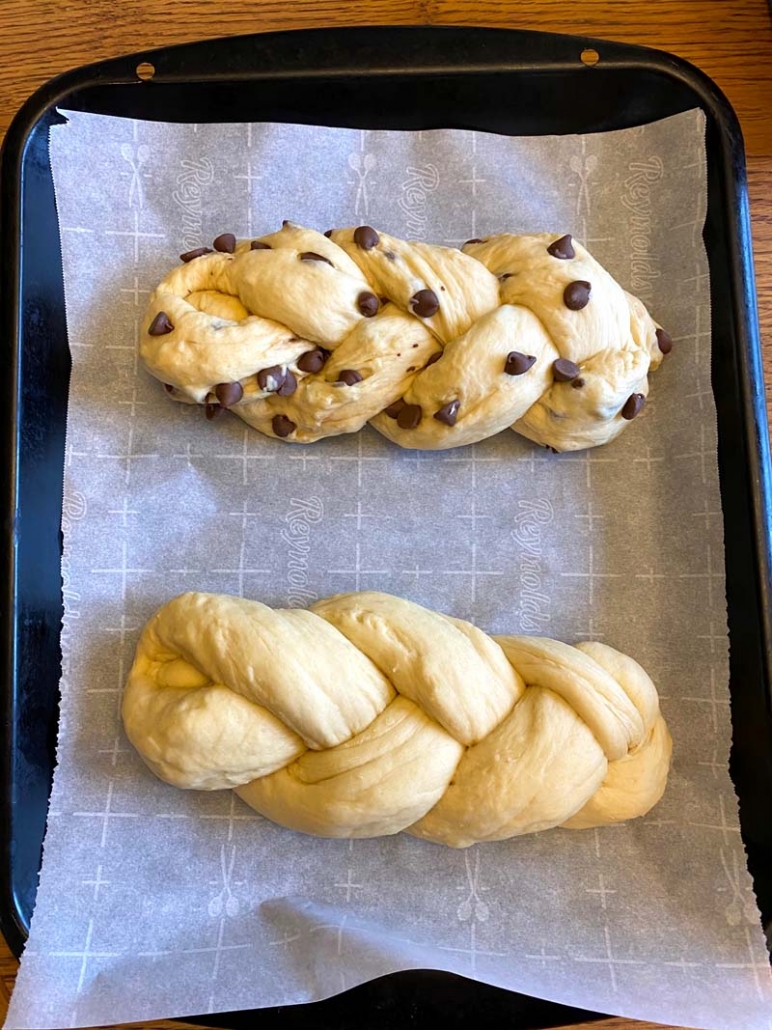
(731, 40)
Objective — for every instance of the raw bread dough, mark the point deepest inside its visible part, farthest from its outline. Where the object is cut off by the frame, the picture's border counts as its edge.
(368, 715)
(305, 335)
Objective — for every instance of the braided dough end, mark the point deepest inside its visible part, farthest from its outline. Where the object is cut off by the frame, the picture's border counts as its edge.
(532, 773)
(632, 786)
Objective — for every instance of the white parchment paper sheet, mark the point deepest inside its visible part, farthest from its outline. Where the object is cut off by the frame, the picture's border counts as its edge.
(155, 902)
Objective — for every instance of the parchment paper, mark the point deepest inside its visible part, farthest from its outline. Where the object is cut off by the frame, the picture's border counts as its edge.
(155, 902)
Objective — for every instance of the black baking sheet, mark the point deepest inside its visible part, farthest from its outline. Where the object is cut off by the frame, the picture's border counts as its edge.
(515, 83)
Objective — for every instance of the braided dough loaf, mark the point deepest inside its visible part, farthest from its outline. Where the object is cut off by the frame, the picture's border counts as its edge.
(369, 714)
(305, 335)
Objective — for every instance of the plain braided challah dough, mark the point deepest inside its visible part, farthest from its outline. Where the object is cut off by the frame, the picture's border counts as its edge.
(305, 335)
(369, 714)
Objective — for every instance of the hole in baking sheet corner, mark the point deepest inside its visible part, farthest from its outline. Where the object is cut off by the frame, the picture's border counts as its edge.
(590, 57)
(145, 70)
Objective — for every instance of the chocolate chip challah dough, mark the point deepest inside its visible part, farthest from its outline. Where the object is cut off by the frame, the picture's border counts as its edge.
(369, 714)
(305, 335)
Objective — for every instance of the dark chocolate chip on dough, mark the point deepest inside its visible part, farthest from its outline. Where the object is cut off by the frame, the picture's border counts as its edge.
(577, 295)
(313, 360)
(282, 426)
(448, 413)
(366, 237)
(564, 370)
(516, 363)
(349, 376)
(633, 406)
(197, 252)
(161, 325)
(664, 341)
(409, 416)
(288, 386)
(394, 408)
(228, 393)
(270, 379)
(225, 242)
(425, 303)
(562, 248)
(368, 304)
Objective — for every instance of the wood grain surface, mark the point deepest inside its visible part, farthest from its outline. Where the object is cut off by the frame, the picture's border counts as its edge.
(731, 40)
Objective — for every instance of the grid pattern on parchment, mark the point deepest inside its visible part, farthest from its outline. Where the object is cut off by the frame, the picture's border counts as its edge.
(196, 894)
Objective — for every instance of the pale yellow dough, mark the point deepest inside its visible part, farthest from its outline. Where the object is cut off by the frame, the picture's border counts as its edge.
(368, 715)
(230, 316)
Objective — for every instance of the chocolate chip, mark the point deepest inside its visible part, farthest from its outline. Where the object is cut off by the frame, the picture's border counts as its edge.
(282, 426)
(285, 222)
(577, 384)
(409, 416)
(562, 248)
(310, 255)
(448, 413)
(633, 406)
(270, 379)
(415, 346)
(394, 409)
(516, 363)
(664, 341)
(288, 386)
(349, 376)
(225, 242)
(168, 388)
(425, 303)
(366, 237)
(161, 325)
(390, 255)
(328, 234)
(229, 393)
(197, 252)
(564, 370)
(412, 368)
(384, 300)
(435, 357)
(475, 240)
(368, 304)
(257, 245)
(213, 411)
(313, 360)
(577, 295)
(504, 276)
